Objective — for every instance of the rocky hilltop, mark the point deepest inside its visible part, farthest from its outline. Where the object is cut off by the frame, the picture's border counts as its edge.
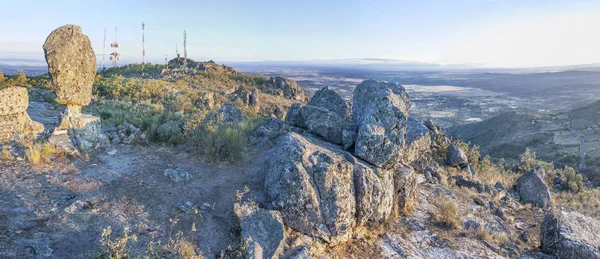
(200, 161)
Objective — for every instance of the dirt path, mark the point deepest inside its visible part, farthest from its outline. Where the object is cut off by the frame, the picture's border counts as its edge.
(127, 189)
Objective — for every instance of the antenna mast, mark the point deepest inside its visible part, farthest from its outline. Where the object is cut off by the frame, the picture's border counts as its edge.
(115, 56)
(184, 44)
(104, 50)
(143, 49)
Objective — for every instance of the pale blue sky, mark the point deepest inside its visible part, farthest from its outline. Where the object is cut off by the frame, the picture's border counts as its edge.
(491, 33)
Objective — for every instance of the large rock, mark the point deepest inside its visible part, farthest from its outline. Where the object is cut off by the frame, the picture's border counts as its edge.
(15, 123)
(332, 101)
(324, 191)
(418, 141)
(455, 156)
(533, 189)
(71, 65)
(81, 131)
(380, 110)
(570, 235)
(374, 192)
(265, 133)
(312, 186)
(228, 114)
(320, 121)
(405, 187)
(263, 230)
(285, 87)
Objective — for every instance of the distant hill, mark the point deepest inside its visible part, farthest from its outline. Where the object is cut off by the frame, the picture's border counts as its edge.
(590, 112)
(506, 135)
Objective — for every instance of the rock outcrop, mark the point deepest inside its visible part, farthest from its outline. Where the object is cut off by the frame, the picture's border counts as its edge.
(71, 65)
(228, 114)
(380, 110)
(418, 141)
(570, 235)
(72, 69)
(281, 86)
(332, 101)
(15, 123)
(312, 186)
(455, 156)
(324, 191)
(269, 131)
(533, 189)
(262, 230)
(320, 121)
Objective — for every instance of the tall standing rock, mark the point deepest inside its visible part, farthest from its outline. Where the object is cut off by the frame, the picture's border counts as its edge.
(71, 65)
(380, 110)
(72, 69)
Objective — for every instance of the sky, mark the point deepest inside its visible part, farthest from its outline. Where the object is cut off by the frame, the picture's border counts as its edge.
(499, 33)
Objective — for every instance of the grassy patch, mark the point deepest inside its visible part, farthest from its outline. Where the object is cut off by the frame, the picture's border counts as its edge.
(41, 153)
(6, 154)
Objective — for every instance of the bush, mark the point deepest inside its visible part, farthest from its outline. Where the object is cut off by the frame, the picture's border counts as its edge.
(41, 153)
(448, 213)
(527, 161)
(20, 78)
(6, 154)
(221, 142)
(2, 77)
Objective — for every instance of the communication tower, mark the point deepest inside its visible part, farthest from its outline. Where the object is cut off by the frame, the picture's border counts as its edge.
(104, 50)
(184, 44)
(115, 56)
(143, 42)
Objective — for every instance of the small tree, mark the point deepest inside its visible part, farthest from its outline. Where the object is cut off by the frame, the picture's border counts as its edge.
(20, 78)
(527, 161)
(1, 77)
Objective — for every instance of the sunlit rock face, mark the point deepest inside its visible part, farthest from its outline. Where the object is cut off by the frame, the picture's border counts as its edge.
(15, 123)
(71, 65)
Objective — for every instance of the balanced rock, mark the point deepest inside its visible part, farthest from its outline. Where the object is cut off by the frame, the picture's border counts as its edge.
(71, 65)
(455, 156)
(418, 141)
(380, 110)
(570, 235)
(15, 123)
(263, 230)
(323, 191)
(533, 189)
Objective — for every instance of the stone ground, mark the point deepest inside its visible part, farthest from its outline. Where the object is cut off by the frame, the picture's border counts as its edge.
(124, 189)
(39, 217)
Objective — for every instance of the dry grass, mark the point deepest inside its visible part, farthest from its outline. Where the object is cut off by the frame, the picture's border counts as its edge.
(484, 234)
(500, 238)
(41, 153)
(6, 154)
(497, 237)
(448, 213)
(586, 202)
